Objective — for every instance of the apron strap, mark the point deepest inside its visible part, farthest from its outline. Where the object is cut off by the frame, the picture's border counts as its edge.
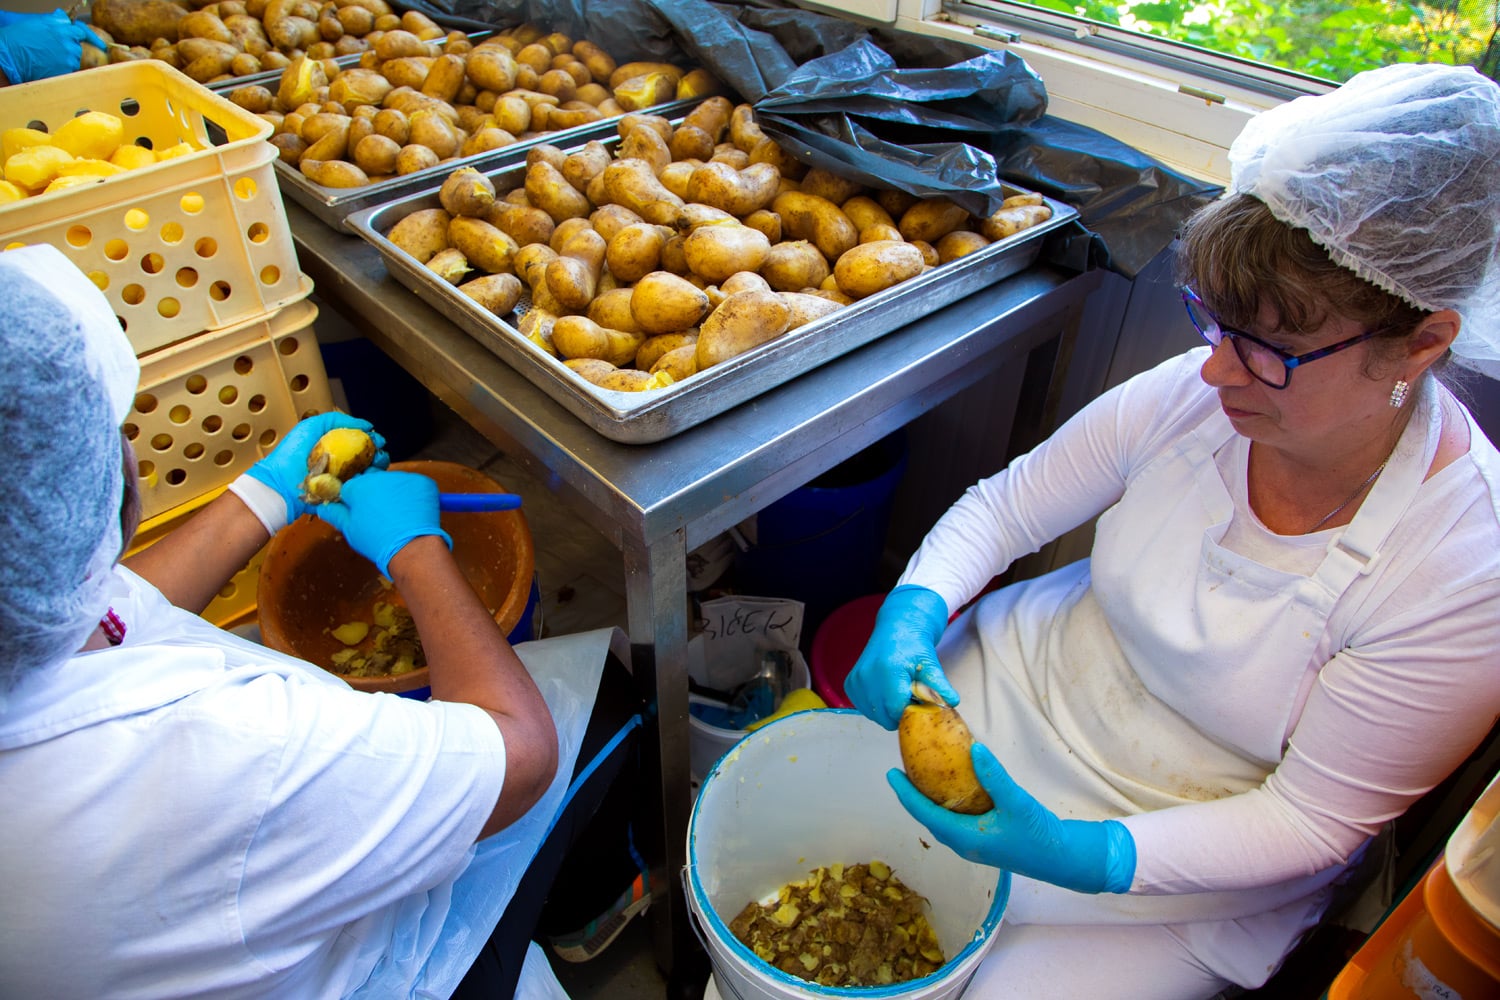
(1354, 551)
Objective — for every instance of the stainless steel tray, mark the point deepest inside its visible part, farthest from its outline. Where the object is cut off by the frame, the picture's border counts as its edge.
(644, 417)
(334, 205)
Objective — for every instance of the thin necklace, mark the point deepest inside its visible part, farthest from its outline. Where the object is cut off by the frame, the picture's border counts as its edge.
(1360, 489)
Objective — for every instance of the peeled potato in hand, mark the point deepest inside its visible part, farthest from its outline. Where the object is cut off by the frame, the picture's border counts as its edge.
(935, 753)
(340, 455)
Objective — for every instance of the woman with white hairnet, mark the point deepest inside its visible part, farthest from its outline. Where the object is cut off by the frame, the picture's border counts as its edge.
(191, 814)
(1288, 626)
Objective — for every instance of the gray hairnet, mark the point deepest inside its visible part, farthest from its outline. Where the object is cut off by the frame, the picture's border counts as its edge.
(66, 383)
(1397, 175)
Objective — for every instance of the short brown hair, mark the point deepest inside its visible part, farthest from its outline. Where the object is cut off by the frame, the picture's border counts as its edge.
(1240, 258)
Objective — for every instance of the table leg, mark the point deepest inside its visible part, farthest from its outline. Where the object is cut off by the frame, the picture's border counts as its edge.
(656, 610)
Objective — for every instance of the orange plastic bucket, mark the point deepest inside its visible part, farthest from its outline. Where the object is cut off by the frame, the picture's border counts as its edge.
(1432, 945)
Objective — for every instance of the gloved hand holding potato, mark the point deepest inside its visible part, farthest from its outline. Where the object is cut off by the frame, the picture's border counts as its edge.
(276, 487)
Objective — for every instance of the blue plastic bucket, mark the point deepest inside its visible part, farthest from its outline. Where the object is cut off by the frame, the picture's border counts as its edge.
(822, 544)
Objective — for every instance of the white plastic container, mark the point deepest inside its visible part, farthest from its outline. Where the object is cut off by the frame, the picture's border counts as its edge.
(707, 742)
(806, 791)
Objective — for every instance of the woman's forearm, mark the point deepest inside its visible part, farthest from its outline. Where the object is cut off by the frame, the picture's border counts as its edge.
(470, 661)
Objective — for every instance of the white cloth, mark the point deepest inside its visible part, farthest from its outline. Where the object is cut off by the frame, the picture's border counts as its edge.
(202, 816)
(1251, 724)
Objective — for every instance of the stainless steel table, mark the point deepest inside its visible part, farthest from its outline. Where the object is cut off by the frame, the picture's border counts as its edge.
(659, 501)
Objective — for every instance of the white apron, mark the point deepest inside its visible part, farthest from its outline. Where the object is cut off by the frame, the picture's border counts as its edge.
(1166, 669)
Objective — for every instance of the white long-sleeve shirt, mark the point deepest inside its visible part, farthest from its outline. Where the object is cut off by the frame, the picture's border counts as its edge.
(1402, 684)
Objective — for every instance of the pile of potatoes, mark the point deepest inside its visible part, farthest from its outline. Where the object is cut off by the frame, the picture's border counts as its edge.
(685, 246)
(412, 103)
(222, 40)
(86, 149)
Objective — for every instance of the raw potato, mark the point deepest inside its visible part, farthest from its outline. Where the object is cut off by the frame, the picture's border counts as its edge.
(795, 265)
(679, 362)
(1009, 221)
(498, 293)
(550, 191)
(806, 308)
(829, 186)
(874, 267)
(959, 243)
(818, 220)
(450, 265)
(611, 308)
(422, 233)
(467, 192)
(635, 380)
(742, 321)
(581, 337)
(652, 348)
(485, 246)
(635, 251)
(634, 184)
(332, 173)
(930, 219)
(662, 302)
(716, 252)
(138, 22)
(935, 753)
(591, 369)
(337, 457)
(738, 192)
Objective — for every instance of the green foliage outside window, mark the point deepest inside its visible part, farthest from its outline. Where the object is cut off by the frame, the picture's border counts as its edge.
(1322, 38)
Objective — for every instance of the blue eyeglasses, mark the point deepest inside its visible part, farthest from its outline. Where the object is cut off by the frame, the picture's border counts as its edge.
(1271, 365)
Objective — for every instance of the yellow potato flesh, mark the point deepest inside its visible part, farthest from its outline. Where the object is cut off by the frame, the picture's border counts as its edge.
(339, 455)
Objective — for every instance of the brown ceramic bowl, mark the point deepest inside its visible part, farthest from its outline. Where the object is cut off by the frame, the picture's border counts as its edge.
(311, 581)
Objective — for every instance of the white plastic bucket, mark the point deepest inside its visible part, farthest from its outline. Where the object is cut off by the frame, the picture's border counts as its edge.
(806, 791)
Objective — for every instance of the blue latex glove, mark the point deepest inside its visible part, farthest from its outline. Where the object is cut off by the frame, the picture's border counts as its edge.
(1023, 836)
(286, 467)
(379, 512)
(902, 649)
(36, 46)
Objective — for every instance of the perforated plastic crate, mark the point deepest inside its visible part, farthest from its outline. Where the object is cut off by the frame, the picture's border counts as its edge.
(194, 243)
(211, 406)
(235, 604)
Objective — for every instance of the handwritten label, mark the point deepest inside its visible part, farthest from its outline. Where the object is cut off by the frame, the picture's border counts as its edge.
(740, 620)
(734, 633)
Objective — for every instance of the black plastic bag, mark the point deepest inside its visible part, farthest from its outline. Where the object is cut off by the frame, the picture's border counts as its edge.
(859, 113)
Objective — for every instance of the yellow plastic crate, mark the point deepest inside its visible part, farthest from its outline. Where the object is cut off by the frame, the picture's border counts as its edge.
(210, 407)
(235, 603)
(194, 243)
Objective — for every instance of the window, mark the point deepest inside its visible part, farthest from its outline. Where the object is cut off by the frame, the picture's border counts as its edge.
(1326, 39)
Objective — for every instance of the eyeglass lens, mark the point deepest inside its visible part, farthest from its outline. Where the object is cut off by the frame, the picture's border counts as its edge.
(1260, 360)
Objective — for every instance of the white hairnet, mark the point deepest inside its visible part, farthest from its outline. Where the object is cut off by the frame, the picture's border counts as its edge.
(66, 383)
(1397, 175)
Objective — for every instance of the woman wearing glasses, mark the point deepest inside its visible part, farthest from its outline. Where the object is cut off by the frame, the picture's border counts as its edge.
(1289, 625)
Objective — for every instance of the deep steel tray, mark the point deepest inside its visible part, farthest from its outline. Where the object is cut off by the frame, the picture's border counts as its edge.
(644, 417)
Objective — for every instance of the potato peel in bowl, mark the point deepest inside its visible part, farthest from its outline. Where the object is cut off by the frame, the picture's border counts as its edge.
(843, 926)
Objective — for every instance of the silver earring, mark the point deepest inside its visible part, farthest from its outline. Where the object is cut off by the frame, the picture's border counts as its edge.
(1398, 393)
